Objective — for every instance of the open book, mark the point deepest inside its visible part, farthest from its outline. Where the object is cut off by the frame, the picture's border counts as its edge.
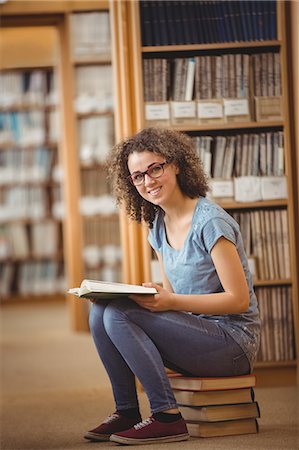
(108, 290)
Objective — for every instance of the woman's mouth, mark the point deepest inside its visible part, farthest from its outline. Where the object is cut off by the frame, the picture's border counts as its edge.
(155, 191)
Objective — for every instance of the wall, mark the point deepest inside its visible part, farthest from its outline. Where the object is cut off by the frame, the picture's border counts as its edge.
(28, 47)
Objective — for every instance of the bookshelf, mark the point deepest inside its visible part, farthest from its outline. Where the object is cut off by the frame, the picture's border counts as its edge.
(278, 290)
(91, 244)
(90, 44)
(30, 187)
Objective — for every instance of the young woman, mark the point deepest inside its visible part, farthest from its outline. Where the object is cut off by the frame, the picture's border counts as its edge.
(204, 321)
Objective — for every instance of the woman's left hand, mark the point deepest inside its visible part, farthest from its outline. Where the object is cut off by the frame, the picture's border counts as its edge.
(162, 301)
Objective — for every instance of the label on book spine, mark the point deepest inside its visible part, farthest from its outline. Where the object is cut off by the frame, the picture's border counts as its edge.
(273, 188)
(268, 108)
(236, 107)
(222, 188)
(183, 109)
(209, 110)
(248, 189)
(157, 111)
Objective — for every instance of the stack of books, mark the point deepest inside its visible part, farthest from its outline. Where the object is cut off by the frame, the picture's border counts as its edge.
(217, 406)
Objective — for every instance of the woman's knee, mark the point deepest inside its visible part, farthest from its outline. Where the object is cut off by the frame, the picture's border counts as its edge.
(115, 312)
(96, 315)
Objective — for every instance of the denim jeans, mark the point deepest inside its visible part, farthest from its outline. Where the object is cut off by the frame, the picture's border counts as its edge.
(133, 341)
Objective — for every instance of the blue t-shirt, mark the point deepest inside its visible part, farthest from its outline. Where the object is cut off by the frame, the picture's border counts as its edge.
(191, 270)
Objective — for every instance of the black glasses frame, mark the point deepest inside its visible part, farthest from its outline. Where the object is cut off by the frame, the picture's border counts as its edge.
(146, 172)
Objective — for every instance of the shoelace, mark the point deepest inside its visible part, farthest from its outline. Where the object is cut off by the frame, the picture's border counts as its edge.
(144, 423)
(111, 418)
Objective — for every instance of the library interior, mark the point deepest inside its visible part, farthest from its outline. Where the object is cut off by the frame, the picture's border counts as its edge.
(82, 76)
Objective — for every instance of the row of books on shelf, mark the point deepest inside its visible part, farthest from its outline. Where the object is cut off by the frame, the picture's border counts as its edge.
(94, 89)
(217, 406)
(247, 154)
(27, 128)
(277, 329)
(96, 255)
(213, 111)
(232, 75)
(266, 240)
(94, 181)
(90, 34)
(103, 232)
(31, 278)
(249, 188)
(24, 202)
(28, 88)
(200, 22)
(32, 203)
(30, 128)
(105, 273)
(19, 165)
(102, 205)
(94, 146)
(20, 240)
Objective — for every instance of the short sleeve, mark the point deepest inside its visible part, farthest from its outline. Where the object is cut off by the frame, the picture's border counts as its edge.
(216, 228)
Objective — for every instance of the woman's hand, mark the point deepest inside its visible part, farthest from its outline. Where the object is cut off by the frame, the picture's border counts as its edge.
(162, 301)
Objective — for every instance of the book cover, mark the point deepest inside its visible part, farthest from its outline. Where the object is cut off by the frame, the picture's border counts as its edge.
(224, 428)
(107, 290)
(215, 413)
(179, 381)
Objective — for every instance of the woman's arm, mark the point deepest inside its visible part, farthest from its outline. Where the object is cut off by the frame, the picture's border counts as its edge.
(234, 299)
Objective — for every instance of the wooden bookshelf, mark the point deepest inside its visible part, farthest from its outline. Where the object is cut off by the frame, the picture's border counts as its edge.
(28, 159)
(57, 16)
(274, 282)
(218, 46)
(139, 266)
(231, 126)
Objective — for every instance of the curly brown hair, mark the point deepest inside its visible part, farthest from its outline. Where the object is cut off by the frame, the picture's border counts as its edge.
(177, 148)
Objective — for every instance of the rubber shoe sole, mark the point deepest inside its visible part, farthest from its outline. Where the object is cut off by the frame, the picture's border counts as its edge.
(96, 437)
(132, 441)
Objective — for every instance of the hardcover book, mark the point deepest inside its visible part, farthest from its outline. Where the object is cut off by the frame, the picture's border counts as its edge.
(179, 381)
(223, 397)
(224, 428)
(216, 413)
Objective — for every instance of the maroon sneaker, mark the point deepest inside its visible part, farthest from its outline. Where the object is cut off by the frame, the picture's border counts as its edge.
(152, 431)
(113, 424)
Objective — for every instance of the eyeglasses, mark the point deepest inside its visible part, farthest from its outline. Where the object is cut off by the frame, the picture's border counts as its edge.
(154, 171)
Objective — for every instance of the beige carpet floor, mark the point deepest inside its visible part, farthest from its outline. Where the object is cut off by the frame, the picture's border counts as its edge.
(53, 388)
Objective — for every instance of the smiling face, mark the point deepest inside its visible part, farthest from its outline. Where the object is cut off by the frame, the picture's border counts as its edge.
(159, 191)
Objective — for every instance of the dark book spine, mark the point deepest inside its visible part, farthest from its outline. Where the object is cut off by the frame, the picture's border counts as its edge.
(273, 19)
(254, 16)
(248, 19)
(227, 25)
(243, 19)
(156, 37)
(266, 32)
(178, 25)
(195, 32)
(170, 22)
(186, 29)
(237, 21)
(146, 26)
(164, 36)
(219, 22)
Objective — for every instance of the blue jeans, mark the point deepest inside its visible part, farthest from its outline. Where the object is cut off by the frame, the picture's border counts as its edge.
(132, 341)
